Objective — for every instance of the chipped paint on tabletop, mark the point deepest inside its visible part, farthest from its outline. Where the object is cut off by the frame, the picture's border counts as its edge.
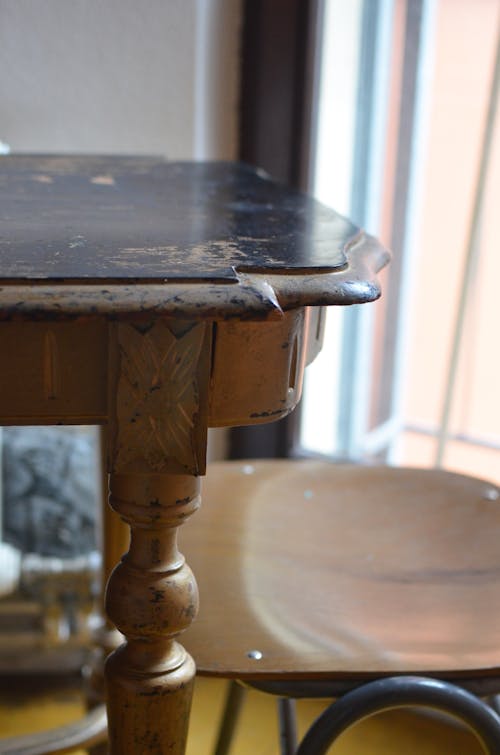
(127, 237)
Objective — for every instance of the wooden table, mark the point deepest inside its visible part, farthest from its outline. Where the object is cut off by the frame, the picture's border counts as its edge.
(161, 299)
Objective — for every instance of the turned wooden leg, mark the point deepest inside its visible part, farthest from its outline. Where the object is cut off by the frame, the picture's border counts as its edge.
(151, 598)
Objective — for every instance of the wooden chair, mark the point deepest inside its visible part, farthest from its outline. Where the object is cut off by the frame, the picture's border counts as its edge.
(317, 579)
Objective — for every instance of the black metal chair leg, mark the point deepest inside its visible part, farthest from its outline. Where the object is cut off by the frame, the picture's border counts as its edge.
(287, 726)
(234, 700)
(398, 692)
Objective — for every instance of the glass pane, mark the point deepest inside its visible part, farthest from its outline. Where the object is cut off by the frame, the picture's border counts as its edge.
(466, 39)
(419, 201)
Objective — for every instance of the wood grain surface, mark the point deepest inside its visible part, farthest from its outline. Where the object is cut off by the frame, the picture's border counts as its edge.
(344, 571)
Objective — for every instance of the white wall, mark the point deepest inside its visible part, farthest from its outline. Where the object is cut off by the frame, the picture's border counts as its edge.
(123, 76)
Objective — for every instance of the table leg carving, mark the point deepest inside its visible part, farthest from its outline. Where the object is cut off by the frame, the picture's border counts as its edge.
(159, 375)
(151, 598)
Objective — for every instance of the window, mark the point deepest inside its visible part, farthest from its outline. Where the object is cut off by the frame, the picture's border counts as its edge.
(407, 145)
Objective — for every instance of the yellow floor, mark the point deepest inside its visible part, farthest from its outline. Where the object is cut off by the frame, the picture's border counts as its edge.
(399, 733)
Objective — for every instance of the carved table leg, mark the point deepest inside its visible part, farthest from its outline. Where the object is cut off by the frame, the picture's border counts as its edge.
(159, 375)
(151, 598)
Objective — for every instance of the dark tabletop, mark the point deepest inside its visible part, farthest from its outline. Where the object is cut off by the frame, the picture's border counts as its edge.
(121, 218)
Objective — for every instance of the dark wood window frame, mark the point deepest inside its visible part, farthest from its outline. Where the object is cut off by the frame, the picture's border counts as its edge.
(278, 39)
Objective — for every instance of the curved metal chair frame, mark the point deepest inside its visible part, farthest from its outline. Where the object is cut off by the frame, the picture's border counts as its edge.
(363, 702)
(398, 692)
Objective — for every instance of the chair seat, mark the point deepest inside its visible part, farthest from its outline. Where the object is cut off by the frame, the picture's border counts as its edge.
(311, 570)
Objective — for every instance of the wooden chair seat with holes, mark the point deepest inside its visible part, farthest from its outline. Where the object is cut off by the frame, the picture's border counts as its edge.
(315, 577)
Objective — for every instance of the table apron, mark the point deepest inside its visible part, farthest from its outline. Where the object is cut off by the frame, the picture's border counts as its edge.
(58, 372)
